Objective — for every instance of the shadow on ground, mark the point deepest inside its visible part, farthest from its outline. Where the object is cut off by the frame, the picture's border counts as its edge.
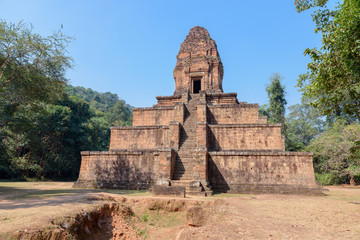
(27, 196)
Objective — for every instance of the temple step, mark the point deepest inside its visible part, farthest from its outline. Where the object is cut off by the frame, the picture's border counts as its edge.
(200, 194)
(192, 187)
(185, 163)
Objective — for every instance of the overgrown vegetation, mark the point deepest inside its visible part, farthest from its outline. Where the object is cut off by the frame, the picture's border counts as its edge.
(332, 84)
(327, 121)
(332, 156)
(333, 78)
(44, 140)
(334, 140)
(303, 124)
(45, 123)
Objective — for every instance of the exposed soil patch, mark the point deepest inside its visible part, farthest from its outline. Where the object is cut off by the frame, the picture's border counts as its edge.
(110, 221)
(117, 220)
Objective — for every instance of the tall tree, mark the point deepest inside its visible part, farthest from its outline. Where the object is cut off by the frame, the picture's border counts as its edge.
(43, 130)
(32, 70)
(277, 101)
(333, 77)
(32, 67)
(303, 124)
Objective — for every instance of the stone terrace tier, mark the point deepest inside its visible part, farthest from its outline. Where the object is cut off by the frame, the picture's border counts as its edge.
(200, 143)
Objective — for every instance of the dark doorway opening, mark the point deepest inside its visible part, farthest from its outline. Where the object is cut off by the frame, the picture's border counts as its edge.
(196, 86)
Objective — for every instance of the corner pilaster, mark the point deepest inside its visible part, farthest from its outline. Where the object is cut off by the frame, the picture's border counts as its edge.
(202, 135)
(166, 167)
(179, 113)
(174, 136)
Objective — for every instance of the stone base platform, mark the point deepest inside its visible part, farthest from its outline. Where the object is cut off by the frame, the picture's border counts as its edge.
(262, 171)
(269, 189)
(131, 170)
(254, 172)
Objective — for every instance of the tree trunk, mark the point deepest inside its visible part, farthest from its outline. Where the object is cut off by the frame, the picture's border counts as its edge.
(27, 166)
(352, 181)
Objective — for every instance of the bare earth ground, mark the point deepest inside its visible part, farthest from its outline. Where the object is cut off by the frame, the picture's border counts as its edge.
(34, 205)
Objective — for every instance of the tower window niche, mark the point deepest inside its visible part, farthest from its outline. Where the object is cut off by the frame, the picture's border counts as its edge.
(196, 85)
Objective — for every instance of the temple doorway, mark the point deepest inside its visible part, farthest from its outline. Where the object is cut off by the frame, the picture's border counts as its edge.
(196, 85)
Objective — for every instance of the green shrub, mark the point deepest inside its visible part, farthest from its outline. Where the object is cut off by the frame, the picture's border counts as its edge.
(145, 217)
(328, 179)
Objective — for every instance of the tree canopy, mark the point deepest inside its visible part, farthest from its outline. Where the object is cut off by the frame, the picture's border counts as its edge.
(44, 123)
(333, 77)
(276, 93)
(303, 124)
(106, 105)
(32, 67)
(332, 83)
(332, 153)
(32, 74)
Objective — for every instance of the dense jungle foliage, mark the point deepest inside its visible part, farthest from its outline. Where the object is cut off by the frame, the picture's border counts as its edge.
(44, 122)
(43, 140)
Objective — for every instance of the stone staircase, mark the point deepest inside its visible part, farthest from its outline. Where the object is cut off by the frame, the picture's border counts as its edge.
(184, 164)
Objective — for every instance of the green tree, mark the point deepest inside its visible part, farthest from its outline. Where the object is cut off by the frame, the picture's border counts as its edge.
(263, 110)
(115, 111)
(42, 129)
(107, 110)
(32, 67)
(99, 133)
(333, 84)
(277, 101)
(32, 72)
(333, 77)
(120, 114)
(303, 124)
(47, 141)
(333, 161)
(302, 5)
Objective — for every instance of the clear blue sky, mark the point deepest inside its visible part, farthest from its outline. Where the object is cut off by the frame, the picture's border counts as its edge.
(130, 47)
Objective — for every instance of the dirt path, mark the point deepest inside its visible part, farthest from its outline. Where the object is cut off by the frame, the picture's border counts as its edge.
(27, 205)
(230, 216)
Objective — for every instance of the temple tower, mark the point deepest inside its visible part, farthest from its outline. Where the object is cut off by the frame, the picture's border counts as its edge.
(199, 139)
(198, 67)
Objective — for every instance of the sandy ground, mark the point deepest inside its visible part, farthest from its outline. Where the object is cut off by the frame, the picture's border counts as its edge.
(29, 206)
(335, 216)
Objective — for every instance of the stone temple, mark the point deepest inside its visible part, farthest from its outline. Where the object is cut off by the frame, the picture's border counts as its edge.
(199, 138)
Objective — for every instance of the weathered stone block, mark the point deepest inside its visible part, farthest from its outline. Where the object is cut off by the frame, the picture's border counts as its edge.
(140, 137)
(169, 190)
(195, 216)
(153, 116)
(245, 136)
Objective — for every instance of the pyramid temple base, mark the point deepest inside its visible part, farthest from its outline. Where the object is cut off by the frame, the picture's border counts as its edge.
(224, 171)
(200, 139)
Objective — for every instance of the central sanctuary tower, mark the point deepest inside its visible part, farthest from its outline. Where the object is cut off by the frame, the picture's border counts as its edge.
(198, 67)
(199, 138)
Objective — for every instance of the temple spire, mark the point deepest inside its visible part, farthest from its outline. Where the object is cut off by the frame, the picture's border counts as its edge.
(198, 66)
